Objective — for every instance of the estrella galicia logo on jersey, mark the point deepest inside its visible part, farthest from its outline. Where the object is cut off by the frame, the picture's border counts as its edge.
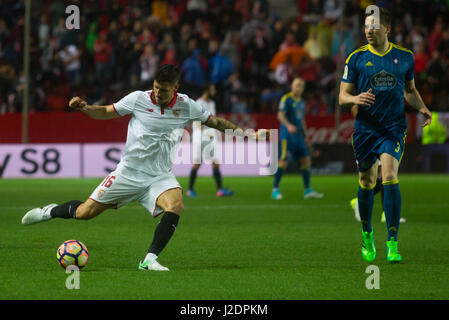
(383, 81)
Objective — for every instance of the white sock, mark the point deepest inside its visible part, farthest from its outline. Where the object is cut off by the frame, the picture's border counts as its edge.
(151, 257)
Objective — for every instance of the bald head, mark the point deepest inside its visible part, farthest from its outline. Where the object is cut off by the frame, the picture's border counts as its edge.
(298, 85)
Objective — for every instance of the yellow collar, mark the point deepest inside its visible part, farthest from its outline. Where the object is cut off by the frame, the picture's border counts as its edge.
(371, 49)
(296, 99)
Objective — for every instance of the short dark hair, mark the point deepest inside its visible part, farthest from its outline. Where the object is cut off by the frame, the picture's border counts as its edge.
(168, 73)
(207, 86)
(384, 15)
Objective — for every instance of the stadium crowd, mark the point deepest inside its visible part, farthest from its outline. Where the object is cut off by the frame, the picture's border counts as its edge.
(243, 46)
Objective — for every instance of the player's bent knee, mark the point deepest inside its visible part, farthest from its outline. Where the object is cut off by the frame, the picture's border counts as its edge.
(175, 206)
(367, 182)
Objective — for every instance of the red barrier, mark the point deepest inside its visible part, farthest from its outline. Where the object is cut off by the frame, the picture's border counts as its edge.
(58, 127)
(53, 127)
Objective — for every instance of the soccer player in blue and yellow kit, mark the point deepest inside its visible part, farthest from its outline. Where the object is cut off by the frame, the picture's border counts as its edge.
(377, 77)
(293, 139)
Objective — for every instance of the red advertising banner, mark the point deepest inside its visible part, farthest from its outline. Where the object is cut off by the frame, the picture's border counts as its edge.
(75, 127)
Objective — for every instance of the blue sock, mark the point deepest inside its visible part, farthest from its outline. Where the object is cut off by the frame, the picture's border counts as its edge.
(366, 201)
(392, 207)
(277, 177)
(306, 178)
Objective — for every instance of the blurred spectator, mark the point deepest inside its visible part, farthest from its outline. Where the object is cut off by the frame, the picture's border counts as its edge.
(7, 88)
(43, 32)
(228, 42)
(183, 41)
(149, 63)
(170, 58)
(134, 66)
(166, 44)
(331, 10)
(230, 47)
(289, 41)
(443, 47)
(200, 5)
(436, 35)
(343, 41)
(59, 31)
(161, 11)
(416, 38)
(421, 60)
(278, 33)
(313, 46)
(92, 36)
(239, 105)
(70, 57)
(220, 67)
(260, 54)
(314, 10)
(146, 37)
(103, 50)
(192, 69)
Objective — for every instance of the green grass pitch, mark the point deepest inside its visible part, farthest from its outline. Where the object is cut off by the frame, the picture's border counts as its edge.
(243, 247)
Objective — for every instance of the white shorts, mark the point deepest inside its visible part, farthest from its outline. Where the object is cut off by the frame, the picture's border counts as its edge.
(126, 185)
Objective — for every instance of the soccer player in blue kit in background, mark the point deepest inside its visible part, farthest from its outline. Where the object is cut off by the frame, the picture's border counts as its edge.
(377, 77)
(293, 139)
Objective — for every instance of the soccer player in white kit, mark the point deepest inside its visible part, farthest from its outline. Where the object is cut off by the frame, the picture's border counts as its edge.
(144, 172)
(209, 139)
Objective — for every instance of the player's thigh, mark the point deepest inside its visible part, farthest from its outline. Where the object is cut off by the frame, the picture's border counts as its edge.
(171, 200)
(120, 187)
(390, 167)
(305, 162)
(304, 156)
(367, 178)
(91, 208)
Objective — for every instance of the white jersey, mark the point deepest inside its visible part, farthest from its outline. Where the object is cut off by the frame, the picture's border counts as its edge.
(209, 136)
(208, 105)
(207, 132)
(154, 132)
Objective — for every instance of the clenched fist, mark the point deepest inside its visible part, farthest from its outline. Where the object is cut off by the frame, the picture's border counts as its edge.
(77, 103)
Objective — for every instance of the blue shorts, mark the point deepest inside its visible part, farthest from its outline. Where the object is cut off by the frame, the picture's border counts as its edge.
(291, 149)
(368, 146)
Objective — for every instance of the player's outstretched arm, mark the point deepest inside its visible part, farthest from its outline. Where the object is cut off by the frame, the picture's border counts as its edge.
(95, 112)
(346, 97)
(414, 99)
(222, 124)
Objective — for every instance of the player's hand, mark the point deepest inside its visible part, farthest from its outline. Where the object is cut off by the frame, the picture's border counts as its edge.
(308, 141)
(365, 98)
(292, 129)
(427, 114)
(77, 103)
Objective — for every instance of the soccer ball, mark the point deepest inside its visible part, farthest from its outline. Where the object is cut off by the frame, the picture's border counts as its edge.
(72, 253)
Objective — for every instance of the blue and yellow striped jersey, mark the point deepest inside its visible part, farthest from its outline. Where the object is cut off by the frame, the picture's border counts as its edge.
(294, 111)
(386, 74)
